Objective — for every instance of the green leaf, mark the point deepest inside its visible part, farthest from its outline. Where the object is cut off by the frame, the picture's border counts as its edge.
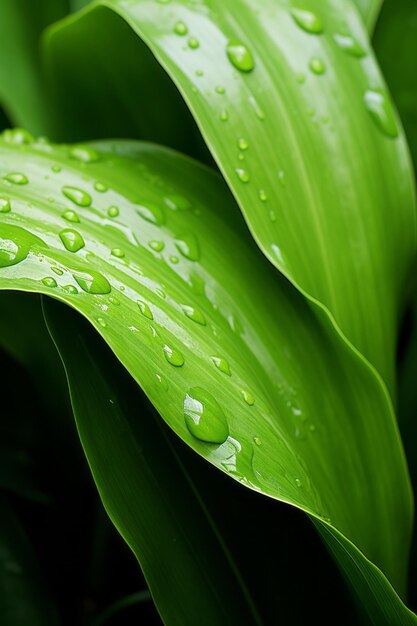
(369, 10)
(307, 141)
(171, 279)
(21, 82)
(23, 597)
(167, 528)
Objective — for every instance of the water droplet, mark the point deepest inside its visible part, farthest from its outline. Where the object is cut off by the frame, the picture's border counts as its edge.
(48, 281)
(221, 364)
(56, 169)
(262, 195)
(158, 246)
(173, 356)
(15, 244)
(17, 136)
(5, 206)
(151, 213)
(272, 215)
(204, 417)
(114, 301)
(298, 482)
(16, 178)
(187, 245)
(193, 43)
(101, 187)
(257, 109)
(71, 239)
(241, 156)
(242, 175)
(180, 28)
(381, 110)
(300, 78)
(145, 310)
(317, 66)
(220, 90)
(281, 178)
(71, 216)
(240, 56)
(174, 259)
(224, 116)
(248, 397)
(177, 203)
(77, 196)
(92, 282)
(307, 20)
(117, 252)
(350, 45)
(242, 144)
(102, 322)
(113, 211)
(85, 154)
(70, 289)
(194, 314)
(257, 441)
(57, 270)
(199, 73)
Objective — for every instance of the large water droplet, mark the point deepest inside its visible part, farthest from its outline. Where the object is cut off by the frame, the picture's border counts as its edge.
(16, 178)
(248, 397)
(380, 108)
(240, 56)
(49, 281)
(17, 136)
(15, 244)
(194, 314)
(77, 196)
(350, 45)
(4, 205)
(70, 289)
(151, 213)
(222, 364)
(307, 20)
(187, 245)
(173, 356)
(71, 216)
(92, 282)
(71, 239)
(204, 417)
(118, 253)
(85, 154)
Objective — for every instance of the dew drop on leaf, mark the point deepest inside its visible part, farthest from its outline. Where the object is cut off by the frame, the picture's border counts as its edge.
(16, 178)
(15, 244)
(113, 211)
(187, 245)
(257, 441)
(380, 108)
(117, 252)
(151, 213)
(100, 187)
(317, 66)
(240, 56)
(350, 45)
(242, 174)
(193, 43)
(84, 154)
(262, 195)
(248, 397)
(194, 314)
(180, 28)
(56, 169)
(17, 136)
(71, 239)
(177, 203)
(173, 356)
(5, 206)
(145, 310)
(158, 246)
(70, 289)
(92, 282)
(57, 270)
(49, 281)
(222, 364)
(102, 322)
(77, 196)
(307, 20)
(71, 216)
(204, 417)
(242, 143)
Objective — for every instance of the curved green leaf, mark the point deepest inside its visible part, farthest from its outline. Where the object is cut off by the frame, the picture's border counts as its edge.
(369, 10)
(307, 138)
(149, 247)
(186, 566)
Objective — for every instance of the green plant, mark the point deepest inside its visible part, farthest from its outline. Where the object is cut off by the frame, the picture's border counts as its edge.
(267, 344)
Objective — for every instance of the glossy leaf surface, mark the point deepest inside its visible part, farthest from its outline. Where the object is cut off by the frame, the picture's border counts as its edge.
(167, 273)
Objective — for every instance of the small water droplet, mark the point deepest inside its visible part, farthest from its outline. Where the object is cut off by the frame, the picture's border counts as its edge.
(17, 136)
(381, 110)
(298, 482)
(113, 211)
(70, 289)
(114, 301)
(300, 78)
(56, 169)
(15, 244)
(77, 196)
(272, 215)
(177, 203)
(257, 441)
(101, 187)
(350, 45)
(241, 156)
(240, 56)
(307, 20)
(173, 356)
(317, 66)
(242, 143)
(102, 322)
(5, 206)
(57, 270)
(193, 43)
(281, 178)
(84, 154)
(117, 252)
(262, 195)
(92, 282)
(16, 178)
(248, 397)
(204, 417)
(145, 310)
(199, 73)
(174, 259)
(224, 116)
(193, 313)
(257, 109)
(48, 281)
(220, 90)
(242, 174)
(151, 213)
(222, 364)
(71, 216)
(158, 246)
(71, 239)
(187, 245)
(180, 28)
